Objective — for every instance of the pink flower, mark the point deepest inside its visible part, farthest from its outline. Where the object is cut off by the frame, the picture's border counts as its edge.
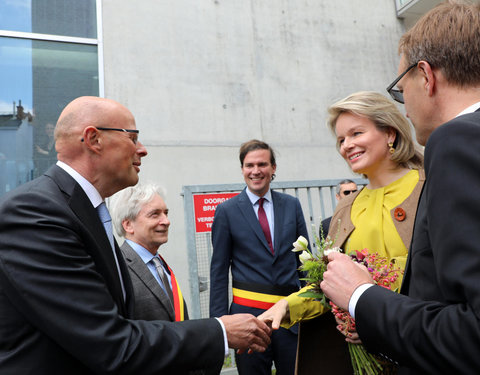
(360, 255)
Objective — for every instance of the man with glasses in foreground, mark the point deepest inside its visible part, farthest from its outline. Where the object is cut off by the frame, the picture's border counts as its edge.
(343, 188)
(433, 326)
(66, 298)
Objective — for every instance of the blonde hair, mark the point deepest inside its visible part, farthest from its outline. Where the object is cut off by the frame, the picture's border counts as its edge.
(385, 115)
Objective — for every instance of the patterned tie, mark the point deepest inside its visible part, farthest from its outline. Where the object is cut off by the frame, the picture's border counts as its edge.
(163, 277)
(262, 218)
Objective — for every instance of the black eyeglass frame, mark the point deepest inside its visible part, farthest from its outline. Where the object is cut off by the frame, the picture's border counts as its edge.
(348, 192)
(135, 131)
(396, 94)
(120, 130)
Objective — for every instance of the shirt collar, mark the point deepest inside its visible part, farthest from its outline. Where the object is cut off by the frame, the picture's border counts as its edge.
(470, 109)
(254, 198)
(92, 193)
(141, 251)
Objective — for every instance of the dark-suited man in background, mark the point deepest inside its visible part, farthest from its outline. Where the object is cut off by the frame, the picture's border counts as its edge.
(343, 188)
(140, 215)
(66, 299)
(253, 234)
(433, 327)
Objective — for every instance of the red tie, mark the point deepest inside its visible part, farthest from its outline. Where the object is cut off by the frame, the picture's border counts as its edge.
(262, 218)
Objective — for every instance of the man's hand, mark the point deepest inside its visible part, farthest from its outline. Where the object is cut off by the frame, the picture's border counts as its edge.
(244, 331)
(275, 314)
(342, 277)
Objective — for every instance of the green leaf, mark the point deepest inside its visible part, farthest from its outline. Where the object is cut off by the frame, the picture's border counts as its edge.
(310, 294)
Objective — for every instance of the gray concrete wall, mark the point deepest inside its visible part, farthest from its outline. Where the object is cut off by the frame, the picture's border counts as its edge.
(202, 77)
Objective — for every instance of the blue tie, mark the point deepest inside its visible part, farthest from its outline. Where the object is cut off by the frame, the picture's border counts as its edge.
(107, 222)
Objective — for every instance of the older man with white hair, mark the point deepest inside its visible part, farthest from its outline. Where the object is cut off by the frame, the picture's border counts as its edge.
(140, 215)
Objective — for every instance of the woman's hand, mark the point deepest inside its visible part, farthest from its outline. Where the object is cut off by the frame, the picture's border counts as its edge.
(274, 316)
(350, 334)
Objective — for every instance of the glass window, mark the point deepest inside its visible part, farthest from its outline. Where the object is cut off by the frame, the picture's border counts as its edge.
(38, 79)
(76, 18)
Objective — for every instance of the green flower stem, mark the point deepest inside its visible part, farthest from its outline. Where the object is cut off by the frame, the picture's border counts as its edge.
(363, 362)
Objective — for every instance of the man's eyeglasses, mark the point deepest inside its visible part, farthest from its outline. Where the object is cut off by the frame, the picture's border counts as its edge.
(134, 131)
(347, 192)
(396, 94)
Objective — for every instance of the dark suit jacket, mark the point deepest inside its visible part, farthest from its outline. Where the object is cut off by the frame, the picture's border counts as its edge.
(61, 304)
(436, 329)
(325, 226)
(239, 243)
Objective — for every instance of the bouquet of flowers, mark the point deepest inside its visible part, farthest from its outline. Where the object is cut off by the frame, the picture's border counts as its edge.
(314, 264)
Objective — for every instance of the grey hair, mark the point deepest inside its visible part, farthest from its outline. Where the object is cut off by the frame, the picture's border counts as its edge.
(343, 182)
(127, 203)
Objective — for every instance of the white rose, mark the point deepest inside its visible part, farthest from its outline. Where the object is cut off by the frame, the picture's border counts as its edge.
(304, 256)
(332, 250)
(300, 244)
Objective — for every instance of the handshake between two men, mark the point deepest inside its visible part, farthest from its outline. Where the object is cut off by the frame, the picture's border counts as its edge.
(245, 332)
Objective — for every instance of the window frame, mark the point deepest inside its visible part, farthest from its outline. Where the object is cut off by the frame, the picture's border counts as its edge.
(72, 40)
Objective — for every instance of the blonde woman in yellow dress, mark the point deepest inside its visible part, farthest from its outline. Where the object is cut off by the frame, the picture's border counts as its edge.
(375, 139)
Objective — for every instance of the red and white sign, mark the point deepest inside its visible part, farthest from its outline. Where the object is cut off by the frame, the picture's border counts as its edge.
(205, 206)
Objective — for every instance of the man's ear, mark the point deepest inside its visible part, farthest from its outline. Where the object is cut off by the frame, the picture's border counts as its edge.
(127, 226)
(91, 138)
(428, 75)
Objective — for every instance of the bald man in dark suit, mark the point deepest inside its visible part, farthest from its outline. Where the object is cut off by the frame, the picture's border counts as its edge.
(66, 298)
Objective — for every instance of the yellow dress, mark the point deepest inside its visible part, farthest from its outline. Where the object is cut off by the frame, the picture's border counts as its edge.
(374, 230)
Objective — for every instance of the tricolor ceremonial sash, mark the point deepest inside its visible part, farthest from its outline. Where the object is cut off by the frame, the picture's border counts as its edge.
(258, 295)
(178, 305)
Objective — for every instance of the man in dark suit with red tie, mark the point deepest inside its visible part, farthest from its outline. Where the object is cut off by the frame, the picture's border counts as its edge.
(433, 326)
(252, 234)
(66, 298)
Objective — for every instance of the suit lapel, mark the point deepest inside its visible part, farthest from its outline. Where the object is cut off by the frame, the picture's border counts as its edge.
(136, 264)
(418, 230)
(246, 208)
(101, 254)
(127, 282)
(278, 215)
